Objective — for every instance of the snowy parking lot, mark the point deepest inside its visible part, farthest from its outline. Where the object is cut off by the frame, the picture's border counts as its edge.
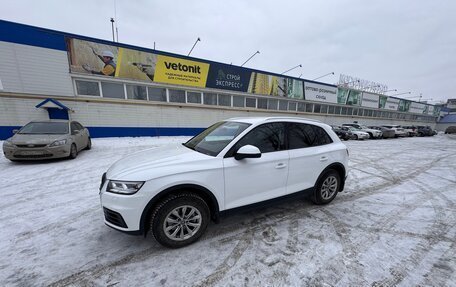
(394, 225)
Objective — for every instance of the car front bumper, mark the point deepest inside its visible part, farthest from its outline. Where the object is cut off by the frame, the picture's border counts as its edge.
(14, 152)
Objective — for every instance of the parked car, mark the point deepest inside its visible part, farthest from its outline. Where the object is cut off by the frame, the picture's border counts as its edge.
(425, 131)
(398, 131)
(373, 133)
(411, 131)
(357, 133)
(47, 139)
(342, 134)
(386, 132)
(175, 190)
(450, 130)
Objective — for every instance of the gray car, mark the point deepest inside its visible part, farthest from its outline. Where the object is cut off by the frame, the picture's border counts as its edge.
(47, 139)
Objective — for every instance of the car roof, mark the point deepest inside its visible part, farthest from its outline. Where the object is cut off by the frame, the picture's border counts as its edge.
(50, 121)
(255, 120)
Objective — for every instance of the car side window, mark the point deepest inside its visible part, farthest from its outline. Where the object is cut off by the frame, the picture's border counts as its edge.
(79, 126)
(305, 135)
(74, 128)
(267, 138)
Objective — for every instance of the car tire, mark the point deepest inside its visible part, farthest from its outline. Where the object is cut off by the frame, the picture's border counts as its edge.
(356, 137)
(327, 187)
(89, 144)
(73, 151)
(179, 220)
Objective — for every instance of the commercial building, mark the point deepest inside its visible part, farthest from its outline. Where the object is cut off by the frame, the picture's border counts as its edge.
(134, 91)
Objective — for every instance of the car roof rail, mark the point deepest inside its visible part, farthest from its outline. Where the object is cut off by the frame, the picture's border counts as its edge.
(291, 118)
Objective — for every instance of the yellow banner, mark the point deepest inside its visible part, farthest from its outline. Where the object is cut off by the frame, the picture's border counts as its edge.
(181, 72)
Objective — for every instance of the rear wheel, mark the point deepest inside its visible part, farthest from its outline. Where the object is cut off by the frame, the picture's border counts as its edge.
(327, 187)
(89, 144)
(179, 220)
(356, 137)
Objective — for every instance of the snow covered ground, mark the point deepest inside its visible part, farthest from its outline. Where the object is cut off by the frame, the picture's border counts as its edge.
(395, 224)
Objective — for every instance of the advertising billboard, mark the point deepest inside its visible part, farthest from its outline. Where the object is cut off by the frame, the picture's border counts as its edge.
(392, 104)
(404, 105)
(227, 77)
(178, 71)
(369, 100)
(320, 93)
(417, 108)
(271, 85)
(430, 110)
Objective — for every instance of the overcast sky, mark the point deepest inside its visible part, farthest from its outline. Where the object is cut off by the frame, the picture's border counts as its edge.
(408, 45)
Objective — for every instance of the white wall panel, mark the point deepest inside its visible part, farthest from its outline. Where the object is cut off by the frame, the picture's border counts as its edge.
(34, 70)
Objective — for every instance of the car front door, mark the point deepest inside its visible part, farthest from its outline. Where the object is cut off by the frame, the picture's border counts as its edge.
(252, 180)
(77, 136)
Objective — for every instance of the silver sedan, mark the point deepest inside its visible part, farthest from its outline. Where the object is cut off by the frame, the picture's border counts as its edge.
(47, 139)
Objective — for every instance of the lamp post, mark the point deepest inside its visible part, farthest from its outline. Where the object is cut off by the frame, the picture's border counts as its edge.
(401, 94)
(257, 52)
(332, 73)
(197, 40)
(112, 27)
(298, 66)
(395, 90)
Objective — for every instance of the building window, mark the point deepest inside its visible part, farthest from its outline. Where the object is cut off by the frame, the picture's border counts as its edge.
(324, 109)
(250, 102)
(113, 90)
(301, 107)
(309, 108)
(272, 104)
(176, 96)
(262, 103)
(86, 88)
(331, 110)
(292, 106)
(224, 100)
(238, 101)
(156, 94)
(349, 111)
(337, 110)
(136, 92)
(283, 105)
(210, 99)
(193, 97)
(317, 108)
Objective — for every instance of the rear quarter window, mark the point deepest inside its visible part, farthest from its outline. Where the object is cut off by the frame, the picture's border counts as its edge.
(306, 135)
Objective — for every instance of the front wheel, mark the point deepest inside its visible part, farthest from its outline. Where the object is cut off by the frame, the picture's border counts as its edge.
(327, 187)
(179, 220)
(73, 151)
(356, 137)
(89, 144)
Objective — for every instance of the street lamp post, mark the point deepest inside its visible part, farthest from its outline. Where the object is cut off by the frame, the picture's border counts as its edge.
(298, 66)
(402, 94)
(257, 52)
(197, 40)
(332, 73)
(395, 90)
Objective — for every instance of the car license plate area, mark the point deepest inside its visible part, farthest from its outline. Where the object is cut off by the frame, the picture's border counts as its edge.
(31, 152)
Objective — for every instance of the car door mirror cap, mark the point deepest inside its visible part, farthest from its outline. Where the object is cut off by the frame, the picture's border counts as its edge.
(247, 151)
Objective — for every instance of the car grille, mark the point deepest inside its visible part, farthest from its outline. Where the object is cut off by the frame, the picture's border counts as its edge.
(30, 145)
(114, 218)
(33, 156)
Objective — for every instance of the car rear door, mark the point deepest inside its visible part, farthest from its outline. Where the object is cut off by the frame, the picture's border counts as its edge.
(252, 180)
(309, 155)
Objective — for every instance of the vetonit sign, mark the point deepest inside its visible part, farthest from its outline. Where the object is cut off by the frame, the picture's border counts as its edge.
(180, 71)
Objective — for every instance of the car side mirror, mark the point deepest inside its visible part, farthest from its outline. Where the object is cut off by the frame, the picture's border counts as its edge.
(247, 151)
(15, 131)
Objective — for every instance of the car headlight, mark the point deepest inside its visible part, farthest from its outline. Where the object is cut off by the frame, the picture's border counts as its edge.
(8, 143)
(58, 143)
(124, 187)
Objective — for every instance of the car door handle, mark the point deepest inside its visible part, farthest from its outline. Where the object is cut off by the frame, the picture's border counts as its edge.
(323, 158)
(280, 165)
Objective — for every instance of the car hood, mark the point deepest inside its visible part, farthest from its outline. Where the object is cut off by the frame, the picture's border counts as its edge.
(36, 138)
(158, 162)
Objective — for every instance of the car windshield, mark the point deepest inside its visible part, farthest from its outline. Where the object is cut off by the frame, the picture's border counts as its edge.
(45, 128)
(215, 138)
